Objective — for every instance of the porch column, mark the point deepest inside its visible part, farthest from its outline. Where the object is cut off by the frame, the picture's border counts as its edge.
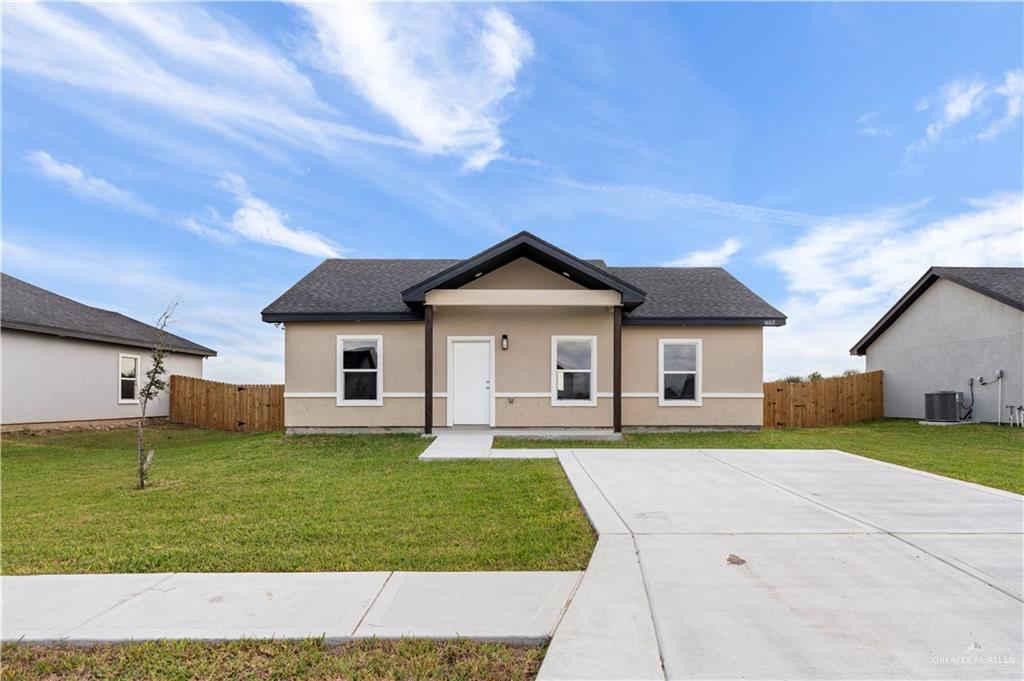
(617, 370)
(428, 369)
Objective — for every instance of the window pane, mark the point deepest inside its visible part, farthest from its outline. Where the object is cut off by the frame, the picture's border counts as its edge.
(360, 385)
(127, 388)
(128, 366)
(680, 357)
(573, 355)
(680, 386)
(574, 385)
(360, 354)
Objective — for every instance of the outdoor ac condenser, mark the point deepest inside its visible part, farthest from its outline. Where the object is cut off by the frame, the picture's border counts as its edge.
(942, 406)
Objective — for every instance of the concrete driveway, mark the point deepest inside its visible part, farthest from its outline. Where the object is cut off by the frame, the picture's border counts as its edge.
(812, 564)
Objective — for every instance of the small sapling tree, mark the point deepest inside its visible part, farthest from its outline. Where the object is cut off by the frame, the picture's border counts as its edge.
(151, 389)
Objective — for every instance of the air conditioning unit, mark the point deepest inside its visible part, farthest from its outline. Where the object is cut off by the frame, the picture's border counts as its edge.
(942, 406)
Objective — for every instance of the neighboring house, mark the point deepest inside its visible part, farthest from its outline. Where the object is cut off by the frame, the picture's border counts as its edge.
(523, 334)
(954, 324)
(64, 361)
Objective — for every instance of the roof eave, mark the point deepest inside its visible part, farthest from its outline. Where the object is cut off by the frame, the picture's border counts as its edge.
(199, 350)
(278, 317)
(860, 348)
(704, 321)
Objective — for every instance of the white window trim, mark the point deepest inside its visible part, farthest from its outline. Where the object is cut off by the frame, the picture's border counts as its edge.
(449, 377)
(592, 402)
(699, 374)
(340, 371)
(138, 371)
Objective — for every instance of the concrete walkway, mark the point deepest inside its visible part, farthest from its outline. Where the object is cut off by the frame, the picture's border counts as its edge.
(518, 607)
(789, 564)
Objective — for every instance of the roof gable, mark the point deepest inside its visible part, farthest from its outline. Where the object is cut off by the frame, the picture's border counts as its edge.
(1004, 284)
(524, 245)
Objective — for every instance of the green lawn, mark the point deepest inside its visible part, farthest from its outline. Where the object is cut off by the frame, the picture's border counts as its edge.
(237, 502)
(311, 659)
(985, 454)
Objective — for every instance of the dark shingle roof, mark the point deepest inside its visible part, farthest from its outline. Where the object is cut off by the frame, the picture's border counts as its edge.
(371, 289)
(29, 308)
(352, 287)
(694, 292)
(1005, 284)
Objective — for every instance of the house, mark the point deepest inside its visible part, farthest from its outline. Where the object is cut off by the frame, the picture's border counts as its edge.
(955, 324)
(64, 361)
(520, 335)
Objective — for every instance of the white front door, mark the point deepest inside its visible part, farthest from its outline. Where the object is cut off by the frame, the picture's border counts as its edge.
(471, 383)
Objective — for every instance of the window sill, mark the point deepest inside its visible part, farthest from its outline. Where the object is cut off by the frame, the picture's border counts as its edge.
(573, 403)
(679, 403)
(360, 403)
(128, 402)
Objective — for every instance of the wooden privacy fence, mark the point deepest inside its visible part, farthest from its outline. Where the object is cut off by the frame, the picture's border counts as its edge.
(226, 406)
(826, 402)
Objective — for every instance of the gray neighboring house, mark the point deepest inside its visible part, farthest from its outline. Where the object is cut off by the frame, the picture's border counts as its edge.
(955, 323)
(64, 361)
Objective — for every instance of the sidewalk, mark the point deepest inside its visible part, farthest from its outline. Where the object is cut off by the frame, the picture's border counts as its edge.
(517, 607)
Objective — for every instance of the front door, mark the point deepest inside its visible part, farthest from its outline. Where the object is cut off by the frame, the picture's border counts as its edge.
(471, 383)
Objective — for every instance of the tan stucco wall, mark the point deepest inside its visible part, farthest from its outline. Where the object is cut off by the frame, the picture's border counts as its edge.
(732, 357)
(732, 363)
(49, 378)
(523, 274)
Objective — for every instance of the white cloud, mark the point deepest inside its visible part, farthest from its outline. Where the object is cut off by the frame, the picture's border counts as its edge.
(85, 185)
(258, 221)
(224, 316)
(221, 80)
(845, 273)
(713, 258)
(697, 202)
(960, 100)
(1012, 90)
(867, 125)
(440, 72)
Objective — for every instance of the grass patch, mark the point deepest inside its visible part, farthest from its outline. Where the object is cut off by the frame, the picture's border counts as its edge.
(231, 502)
(985, 454)
(309, 659)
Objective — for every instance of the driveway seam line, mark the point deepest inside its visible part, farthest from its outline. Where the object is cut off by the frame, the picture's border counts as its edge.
(603, 495)
(568, 602)
(864, 522)
(978, 487)
(650, 605)
(121, 602)
(372, 603)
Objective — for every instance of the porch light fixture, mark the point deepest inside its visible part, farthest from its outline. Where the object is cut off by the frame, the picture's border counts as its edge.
(504, 341)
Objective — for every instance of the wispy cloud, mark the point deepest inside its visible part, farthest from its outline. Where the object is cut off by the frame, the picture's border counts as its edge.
(867, 125)
(843, 274)
(963, 99)
(87, 186)
(715, 257)
(1012, 90)
(258, 221)
(218, 79)
(697, 202)
(254, 219)
(440, 72)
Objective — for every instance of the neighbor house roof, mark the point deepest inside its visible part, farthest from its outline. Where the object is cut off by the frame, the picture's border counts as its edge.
(1005, 284)
(25, 307)
(344, 289)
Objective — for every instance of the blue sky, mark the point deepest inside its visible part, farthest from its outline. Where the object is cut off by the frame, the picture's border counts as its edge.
(824, 154)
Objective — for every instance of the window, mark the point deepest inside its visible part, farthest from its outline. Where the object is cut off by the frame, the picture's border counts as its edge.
(127, 379)
(359, 370)
(679, 368)
(573, 370)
